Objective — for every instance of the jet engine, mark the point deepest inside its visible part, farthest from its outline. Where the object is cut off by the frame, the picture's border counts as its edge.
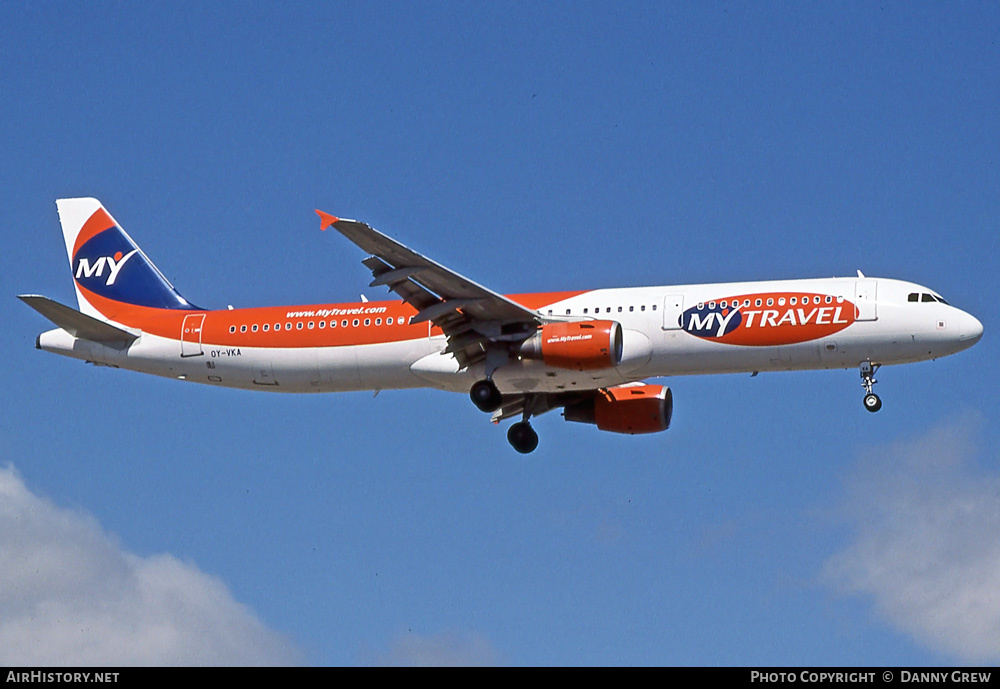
(627, 409)
(579, 346)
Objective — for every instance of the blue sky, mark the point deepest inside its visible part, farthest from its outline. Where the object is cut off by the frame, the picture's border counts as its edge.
(531, 147)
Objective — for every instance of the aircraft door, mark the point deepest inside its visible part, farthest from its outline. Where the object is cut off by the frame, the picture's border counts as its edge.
(191, 334)
(673, 309)
(865, 301)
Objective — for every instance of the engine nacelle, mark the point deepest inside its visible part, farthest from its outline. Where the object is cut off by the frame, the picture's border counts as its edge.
(579, 346)
(628, 409)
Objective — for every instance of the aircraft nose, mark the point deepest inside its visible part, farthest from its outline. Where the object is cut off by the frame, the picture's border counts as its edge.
(972, 329)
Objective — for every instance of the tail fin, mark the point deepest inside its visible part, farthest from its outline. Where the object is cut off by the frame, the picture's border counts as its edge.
(109, 269)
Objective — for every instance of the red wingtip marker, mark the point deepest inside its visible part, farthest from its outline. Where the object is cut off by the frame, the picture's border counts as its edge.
(325, 219)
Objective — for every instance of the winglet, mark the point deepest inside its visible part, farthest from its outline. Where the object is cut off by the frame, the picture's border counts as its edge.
(325, 219)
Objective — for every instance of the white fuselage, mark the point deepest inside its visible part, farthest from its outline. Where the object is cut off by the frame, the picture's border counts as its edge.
(668, 331)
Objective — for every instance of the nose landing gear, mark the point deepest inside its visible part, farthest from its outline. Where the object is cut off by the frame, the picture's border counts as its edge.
(871, 400)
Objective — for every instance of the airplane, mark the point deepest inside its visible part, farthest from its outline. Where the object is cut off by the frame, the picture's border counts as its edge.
(586, 352)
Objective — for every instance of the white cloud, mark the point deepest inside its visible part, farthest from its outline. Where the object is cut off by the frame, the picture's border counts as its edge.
(70, 595)
(926, 518)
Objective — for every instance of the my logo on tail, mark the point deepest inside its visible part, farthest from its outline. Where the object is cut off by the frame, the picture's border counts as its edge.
(108, 264)
(109, 269)
(114, 263)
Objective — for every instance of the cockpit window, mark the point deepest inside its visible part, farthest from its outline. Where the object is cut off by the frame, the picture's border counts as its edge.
(924, 297)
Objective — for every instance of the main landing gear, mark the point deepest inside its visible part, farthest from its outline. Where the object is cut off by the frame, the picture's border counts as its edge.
(872, 401)
(485, 395)
(522, 437)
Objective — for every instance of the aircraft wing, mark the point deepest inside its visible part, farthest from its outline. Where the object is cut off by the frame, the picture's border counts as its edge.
(469, 314)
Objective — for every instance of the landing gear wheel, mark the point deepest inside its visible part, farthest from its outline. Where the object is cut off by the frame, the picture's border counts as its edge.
(872, 402)
(485, 395)
(522, 437)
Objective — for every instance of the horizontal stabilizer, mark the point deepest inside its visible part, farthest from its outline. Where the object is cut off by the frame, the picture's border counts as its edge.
(75, 323)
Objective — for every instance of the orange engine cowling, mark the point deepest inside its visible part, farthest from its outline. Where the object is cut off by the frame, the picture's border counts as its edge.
(580, 345)
(628, 409)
